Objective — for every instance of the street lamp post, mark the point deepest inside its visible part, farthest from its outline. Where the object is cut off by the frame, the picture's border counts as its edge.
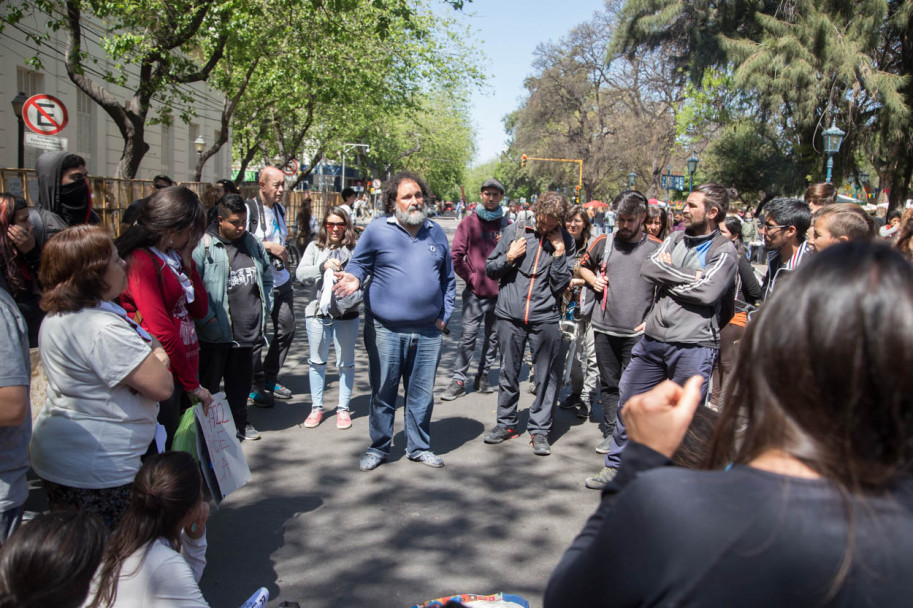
(342, 182)
(692, 167)
(198, 144)
(632, 180)
(19, 101)
(833, 137)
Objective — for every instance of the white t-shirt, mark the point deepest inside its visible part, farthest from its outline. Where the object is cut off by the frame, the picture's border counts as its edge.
(93, 429)
(162, 577)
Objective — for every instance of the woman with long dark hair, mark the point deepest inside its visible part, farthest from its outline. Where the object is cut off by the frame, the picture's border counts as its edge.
(20, 259)
(331, 251)
(157, 555)
(105, 376)
(164, 290)
(812, 505)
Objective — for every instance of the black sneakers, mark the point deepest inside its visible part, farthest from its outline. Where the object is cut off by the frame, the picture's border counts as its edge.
(453, 391)
(499, 434)
(540, 445)
(481, 384)
(572, 401)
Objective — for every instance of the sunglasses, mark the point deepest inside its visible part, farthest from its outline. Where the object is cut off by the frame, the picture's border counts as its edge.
(336, 224)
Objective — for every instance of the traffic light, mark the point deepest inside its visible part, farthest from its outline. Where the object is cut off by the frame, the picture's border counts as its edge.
(523, 161)
(577, 194)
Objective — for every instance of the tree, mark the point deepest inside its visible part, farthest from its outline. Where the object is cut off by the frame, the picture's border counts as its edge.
(803, 62)
(177, 42)
(615, 113)
(356, 85)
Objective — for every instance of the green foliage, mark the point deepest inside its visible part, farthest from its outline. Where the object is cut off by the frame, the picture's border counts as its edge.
(800, 63)
(755, 164)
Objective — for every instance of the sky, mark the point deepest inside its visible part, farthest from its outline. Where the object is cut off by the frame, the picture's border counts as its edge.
(508, 32)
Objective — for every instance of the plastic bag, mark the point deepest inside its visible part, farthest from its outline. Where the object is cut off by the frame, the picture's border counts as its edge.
(185, 438)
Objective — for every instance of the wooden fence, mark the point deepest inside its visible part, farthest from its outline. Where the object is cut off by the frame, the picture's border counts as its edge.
(111, 196)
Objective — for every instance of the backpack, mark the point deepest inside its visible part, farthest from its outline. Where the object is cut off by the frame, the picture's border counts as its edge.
(255, 214)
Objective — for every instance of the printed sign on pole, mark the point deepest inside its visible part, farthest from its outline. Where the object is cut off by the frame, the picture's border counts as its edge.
(45, 115)
(45, 142)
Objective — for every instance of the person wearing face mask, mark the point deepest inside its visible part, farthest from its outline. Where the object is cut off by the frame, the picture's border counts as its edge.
(476, 237)
(64, 199)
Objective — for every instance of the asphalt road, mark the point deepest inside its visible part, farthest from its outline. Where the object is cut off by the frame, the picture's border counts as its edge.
(314, 529)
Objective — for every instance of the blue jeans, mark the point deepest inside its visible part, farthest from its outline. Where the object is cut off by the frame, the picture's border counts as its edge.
(652, 362)
(343, 333)
(411, 354)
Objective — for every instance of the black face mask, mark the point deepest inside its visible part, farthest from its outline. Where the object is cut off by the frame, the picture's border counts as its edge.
(74, 202)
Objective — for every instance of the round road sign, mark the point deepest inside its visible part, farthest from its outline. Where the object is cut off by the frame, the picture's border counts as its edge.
(291, 167)
(44, 114)
(375, 183)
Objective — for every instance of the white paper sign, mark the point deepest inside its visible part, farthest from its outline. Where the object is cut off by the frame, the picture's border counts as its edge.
(229, 467)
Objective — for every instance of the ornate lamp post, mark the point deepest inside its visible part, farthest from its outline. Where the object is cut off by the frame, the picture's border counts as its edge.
(692, 167)
(833, 137)
(198, 144)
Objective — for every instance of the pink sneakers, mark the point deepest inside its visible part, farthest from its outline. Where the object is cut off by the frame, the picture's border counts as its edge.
(313, 419)
(343, 419)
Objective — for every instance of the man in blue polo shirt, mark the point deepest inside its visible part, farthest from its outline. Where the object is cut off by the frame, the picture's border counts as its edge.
(408, 303)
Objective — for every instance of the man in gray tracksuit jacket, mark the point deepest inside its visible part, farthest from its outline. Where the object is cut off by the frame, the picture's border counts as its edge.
(533, 266)
(694, 272)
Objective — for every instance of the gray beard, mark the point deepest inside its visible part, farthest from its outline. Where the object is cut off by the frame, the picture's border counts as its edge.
(411, 218)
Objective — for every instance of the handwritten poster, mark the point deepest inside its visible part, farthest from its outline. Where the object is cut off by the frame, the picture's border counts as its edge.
(227, 468)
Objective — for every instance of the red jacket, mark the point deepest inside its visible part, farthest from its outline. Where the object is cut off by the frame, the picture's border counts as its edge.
(473, 243)
(155, 299)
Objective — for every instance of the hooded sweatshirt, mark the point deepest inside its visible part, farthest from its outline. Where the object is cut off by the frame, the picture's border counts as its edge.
(55, 210)
(474, 241)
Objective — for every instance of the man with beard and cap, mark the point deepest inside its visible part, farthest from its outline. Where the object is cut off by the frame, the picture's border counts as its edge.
(476, 237)
(611, 267)
(693, 272)
(64, 199)
(408, 303)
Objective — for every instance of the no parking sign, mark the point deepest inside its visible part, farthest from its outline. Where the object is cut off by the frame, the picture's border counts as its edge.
(44, 114)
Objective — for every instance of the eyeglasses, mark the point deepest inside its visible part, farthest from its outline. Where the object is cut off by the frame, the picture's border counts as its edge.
(766, 227)
(336, 224)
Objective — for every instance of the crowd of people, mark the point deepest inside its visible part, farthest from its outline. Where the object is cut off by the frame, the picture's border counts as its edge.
(781, 388)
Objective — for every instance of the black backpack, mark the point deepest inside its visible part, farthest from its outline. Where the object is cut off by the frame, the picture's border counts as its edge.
(255, 213)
